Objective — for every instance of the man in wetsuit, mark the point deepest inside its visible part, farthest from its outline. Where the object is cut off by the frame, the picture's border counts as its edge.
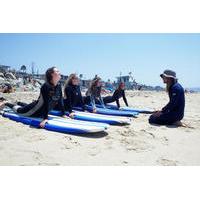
(173, 112)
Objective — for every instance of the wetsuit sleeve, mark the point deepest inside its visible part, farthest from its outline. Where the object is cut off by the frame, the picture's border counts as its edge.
(61, 102)
(115, 98)
(88, 92)
(81, 100)
(114, 94)
(117, 102)
(101, 101)
(44, 92)
(173, 101)
(69, 99)
(124, 98)
(92, 101)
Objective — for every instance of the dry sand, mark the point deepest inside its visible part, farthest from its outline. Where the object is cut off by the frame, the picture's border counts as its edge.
(137, 144)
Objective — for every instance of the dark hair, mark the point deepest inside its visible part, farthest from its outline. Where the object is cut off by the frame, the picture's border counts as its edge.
(172, 82)
(48, 74)
(120, 84)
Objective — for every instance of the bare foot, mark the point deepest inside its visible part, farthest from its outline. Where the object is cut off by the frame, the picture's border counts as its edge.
(180, 124)
(2, 99)
(2, 105)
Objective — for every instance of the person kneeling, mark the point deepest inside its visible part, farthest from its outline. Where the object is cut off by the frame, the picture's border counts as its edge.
(173, 112)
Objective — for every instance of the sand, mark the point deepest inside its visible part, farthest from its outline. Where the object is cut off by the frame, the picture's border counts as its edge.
(139, 144)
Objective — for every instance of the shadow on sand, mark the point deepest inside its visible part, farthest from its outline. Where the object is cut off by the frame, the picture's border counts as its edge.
(168, 126)
(87, 135)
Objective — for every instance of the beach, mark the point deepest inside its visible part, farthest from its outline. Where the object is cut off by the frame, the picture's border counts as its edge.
(138, 144)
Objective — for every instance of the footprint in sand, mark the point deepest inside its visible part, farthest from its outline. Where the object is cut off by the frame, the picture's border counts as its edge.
(94, 151)
(164, 140)
(124, 162)
(5, 137)
(36, 155)
(108, 145)
(69, 143)
(48, 164)
(41, 164)
(167, 162)
(108, 137)
(127, 132)
(136, 145)
(66, 147)
(35, 138)
(147, 133)
(151, 128)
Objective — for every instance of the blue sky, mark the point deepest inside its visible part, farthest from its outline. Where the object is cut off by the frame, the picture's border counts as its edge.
(146, 55)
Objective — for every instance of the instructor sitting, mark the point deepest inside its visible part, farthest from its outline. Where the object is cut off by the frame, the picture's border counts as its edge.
(173, 112)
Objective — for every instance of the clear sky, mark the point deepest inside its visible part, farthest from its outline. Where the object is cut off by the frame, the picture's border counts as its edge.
(146, 55)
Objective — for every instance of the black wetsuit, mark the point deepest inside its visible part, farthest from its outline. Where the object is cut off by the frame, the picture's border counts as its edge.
(174, 110)
(50, 98)
(115, 97)
(73, 98)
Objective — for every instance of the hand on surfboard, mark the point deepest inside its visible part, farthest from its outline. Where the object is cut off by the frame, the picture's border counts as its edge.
(43, 122)
(94, 110)
(65, 116)
(71, 115)
(157, 113)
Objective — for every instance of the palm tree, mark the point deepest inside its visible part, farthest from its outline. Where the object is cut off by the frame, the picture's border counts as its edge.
(81, 76)
(23, 68)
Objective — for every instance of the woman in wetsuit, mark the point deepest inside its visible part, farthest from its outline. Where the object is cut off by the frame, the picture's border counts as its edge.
(72, 95)
(119, 93)
(50, 98)
(93, 94)
(173, 112)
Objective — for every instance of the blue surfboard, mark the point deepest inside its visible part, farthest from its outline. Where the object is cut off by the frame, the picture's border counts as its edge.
(59, 125)
(93, 117)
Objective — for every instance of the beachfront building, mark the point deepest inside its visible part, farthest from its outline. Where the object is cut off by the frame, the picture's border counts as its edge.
(4, 68)
(63, 79)
(85, 83)
(127, 81)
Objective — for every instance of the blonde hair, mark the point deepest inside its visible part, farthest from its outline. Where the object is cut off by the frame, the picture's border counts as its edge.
(93, 85)
(94, 82)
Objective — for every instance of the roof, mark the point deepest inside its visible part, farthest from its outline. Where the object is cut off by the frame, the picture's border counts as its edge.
(4, 67)
(123, 76)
